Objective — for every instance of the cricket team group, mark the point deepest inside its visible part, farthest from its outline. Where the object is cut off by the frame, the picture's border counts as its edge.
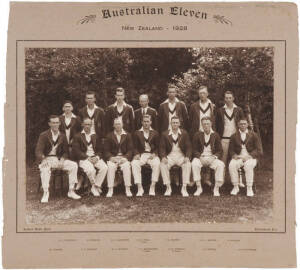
(100, 142)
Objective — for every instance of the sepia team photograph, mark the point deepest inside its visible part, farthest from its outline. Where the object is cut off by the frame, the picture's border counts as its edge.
(149, 135)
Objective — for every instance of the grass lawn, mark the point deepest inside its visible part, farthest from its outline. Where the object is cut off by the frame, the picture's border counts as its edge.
(146, 209)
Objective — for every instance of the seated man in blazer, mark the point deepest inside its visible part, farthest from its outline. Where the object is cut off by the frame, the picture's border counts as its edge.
(120, 109)
(175, 149)
(172, 107)
(199, 109)
(118, 153)
(207, 152)
(70, 124)
(146, 144)
(95, 113)
(145, 109)
(87, 150)
(244, 149)
(227, 121)
(52, 153)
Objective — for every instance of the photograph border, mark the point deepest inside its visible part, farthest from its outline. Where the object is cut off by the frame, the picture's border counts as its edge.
(149, 231)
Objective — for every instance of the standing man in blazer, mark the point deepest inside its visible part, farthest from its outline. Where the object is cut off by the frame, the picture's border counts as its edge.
(227, 119)
(120, 109)
(245, 150)
(52, 153)
(118, 153)
(145, 109)
(170, 108)
(146, 144)
(208, 151)
(175, 149)
(199, 109)
(70, 124)
(87, 150)
(95, 113)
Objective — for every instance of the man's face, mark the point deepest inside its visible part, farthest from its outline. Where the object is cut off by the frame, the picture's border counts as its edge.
(243, 125)
(228, 99)
(146, 123)
(203, 94)
(120, 96)
(90, 99)
(87, 125)
(144, 102)
(54, 124)
(118, 125)
(175, 123)
(206, 124)
(67, 108)
(171, 93)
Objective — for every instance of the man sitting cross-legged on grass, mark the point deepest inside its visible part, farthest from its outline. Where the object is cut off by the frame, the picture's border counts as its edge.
(175, 149)
(244, 149)
(87, 150)
(207, 152)
(146, 144)
(52, 152)
(118, 153)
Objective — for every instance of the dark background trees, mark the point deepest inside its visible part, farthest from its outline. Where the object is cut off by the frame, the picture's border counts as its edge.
(56, 74)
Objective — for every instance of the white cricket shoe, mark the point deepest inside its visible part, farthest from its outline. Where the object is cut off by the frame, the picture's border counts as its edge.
(73, 195)
(184, 192)
(216, 191)
(95, 191)
(140, 192)
(128, 192)
(235, 190)
(79, 184)
(198, 191)
(250, 192)
(110, 192)
(152, 190)
(168, 191)
(45, 197)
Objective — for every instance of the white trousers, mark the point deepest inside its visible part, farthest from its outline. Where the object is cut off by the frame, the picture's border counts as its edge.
(215, 164)
(52, 163)
(176, 159)
(137, 167)
(225, 147)
(236, 164)
(111, 173)
(90, 171)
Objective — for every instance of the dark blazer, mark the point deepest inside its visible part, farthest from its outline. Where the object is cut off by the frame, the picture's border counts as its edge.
(163, 116)
(127, 117)
(252, 142)
(99, 119)
(138, 117)
(79, 146)
(166, 144)
(111, 146)
(139, 142)
(75, 126)
(44, 146)
(237, 115)
(215, 144)
(195, 117)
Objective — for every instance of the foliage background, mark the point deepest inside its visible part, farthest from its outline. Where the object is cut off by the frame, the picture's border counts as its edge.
(56, 74)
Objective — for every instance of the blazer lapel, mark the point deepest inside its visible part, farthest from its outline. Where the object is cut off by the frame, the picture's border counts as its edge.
(83, 139)
(94, 143)
(151, 134)
(212, 140)
(222, 114)
(141, 137)
(202, 140)
(166, 109)
(123, 136)
(114, 137)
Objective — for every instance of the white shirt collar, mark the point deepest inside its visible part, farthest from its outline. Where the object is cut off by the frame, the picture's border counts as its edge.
(122, 133)
(234, 106)
(53, 135)
(91, 133)
(208, 101)
(72, 116)
(243, 132)
(115, 104)
(95, 106)
(172, 133)
(211, 132)
(142, 129)
(167, 100)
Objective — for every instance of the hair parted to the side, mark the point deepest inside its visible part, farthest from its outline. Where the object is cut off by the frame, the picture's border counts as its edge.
(228, 92)
(174, 117)
(205, 118)
(90, 93)
(147, 116)
(201, 87)
(120, 90)
(52, 116)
